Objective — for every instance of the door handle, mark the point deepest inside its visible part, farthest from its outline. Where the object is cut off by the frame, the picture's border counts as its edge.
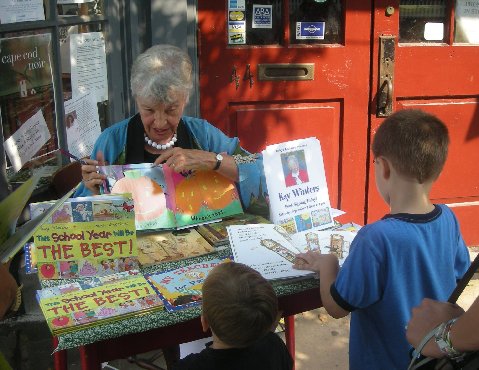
(385, 95)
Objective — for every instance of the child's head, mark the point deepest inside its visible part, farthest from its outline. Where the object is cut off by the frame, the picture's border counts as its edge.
(414, 142)
(239, 304)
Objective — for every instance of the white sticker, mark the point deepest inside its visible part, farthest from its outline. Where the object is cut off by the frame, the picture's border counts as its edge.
(262, 16)
(434, 31)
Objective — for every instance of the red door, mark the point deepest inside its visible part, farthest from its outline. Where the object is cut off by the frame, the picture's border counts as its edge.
(285, 70)
(435, 55)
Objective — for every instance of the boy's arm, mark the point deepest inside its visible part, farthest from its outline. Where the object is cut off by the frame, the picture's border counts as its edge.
(327, 266)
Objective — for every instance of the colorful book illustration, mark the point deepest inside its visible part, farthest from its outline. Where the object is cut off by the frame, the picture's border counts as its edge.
(165, 199)
(10, 208)
(271, 250)
(97, 301)
(297, 188)
(181, 288)
(88, 236)
(170, 246)
(216, 233)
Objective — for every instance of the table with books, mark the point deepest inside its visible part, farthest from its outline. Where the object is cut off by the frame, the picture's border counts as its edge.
(161, 328)
(121, 273)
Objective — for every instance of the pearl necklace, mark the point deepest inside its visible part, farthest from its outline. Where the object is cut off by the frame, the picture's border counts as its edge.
(169, 144)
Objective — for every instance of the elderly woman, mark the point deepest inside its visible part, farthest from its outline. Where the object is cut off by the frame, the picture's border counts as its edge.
(161, 79)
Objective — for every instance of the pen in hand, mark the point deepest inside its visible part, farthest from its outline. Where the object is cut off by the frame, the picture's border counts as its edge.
(68, 154)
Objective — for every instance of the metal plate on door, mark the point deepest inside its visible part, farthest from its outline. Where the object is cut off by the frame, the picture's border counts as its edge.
(286, 71)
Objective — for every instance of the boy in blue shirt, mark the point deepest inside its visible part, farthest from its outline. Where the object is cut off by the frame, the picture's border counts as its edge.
(241, 309)
(415, 251)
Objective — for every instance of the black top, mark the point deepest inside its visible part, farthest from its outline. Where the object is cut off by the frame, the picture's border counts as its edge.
(135, 141)
(269, 353)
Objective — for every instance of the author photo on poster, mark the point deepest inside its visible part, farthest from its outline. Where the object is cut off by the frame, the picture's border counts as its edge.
(295, 174)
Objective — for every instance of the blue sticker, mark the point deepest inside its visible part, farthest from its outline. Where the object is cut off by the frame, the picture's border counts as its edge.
(310, 30)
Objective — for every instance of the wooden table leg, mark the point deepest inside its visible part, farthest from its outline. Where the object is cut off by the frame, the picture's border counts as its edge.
(289, 333)
(60, 357)
(89, 357)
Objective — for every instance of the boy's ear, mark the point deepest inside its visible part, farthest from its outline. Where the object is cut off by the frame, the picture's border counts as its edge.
(386, 168)
(204, 324)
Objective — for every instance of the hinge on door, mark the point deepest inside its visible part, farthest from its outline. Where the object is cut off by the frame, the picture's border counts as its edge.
(384, 97)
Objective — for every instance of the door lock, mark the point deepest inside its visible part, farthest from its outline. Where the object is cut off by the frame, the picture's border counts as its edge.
(385, 95)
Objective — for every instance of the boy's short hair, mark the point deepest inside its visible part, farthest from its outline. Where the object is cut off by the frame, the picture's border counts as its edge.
(415, 142)
(239, 304)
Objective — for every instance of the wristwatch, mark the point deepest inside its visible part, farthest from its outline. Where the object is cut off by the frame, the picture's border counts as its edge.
(219, 158)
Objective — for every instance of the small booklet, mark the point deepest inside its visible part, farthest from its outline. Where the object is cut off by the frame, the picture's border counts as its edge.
(165, 199)
(270, 250)
(96, 301)
(216, 233)
(181, 288)
(297, 188)
(87, 236)
(171, 246)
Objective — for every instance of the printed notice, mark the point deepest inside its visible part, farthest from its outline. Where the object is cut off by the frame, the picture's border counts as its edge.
(27, 140)
(467, 21)
(82, 124)
(262, 16)
(88, 61)
(13, 11)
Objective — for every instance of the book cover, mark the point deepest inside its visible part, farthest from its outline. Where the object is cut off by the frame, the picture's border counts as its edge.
(86, 236)
(77, 305)
(171, 246)
(216, 233)
(271, 250)
(297, 188)
(181, 288)
(165, 199)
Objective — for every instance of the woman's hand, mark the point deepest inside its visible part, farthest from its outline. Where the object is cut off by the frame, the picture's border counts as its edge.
(185, 160)
(91, 178)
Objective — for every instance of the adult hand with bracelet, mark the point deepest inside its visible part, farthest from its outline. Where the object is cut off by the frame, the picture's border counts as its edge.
(428, 315)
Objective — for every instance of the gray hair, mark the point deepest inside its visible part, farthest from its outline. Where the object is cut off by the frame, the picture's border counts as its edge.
(160, 71)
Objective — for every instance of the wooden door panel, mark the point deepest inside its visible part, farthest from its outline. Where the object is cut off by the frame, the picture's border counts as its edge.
(260, 125)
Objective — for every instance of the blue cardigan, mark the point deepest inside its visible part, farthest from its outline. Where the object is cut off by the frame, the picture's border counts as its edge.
(251, 184)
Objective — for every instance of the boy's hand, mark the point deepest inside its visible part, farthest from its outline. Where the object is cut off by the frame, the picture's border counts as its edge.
(317, 262)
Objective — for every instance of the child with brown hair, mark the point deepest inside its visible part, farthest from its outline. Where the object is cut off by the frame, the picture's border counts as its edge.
(241, 309)
(413, 252)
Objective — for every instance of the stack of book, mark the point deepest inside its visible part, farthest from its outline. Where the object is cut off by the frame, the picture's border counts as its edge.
(97, 301)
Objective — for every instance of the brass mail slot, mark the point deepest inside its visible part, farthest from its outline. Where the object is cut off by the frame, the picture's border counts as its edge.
(285, 71)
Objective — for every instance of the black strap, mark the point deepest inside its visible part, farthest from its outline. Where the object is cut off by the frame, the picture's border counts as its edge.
(464, 280)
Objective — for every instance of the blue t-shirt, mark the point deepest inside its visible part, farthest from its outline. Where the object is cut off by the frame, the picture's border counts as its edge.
(393, 264)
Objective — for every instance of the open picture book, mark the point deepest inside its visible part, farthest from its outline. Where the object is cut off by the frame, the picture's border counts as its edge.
(165, 199)
(270, 250)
